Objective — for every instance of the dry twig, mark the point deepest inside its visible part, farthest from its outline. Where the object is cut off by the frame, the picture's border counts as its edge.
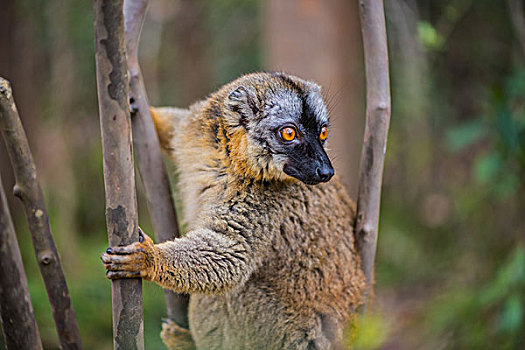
(29, 191)
(376, 130)
(148, 153)
(517, 16)
(18, 320)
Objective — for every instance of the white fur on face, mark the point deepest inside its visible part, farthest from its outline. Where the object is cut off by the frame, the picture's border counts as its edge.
(315, 101)
(290, 104)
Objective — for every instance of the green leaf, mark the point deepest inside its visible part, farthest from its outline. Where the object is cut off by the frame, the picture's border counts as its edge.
(465, 135)
(511, 319)
(508, 130)
(429, 37)
(372, 332)
(510, 276)
(487, 166)
(516, 266)
(507, 186)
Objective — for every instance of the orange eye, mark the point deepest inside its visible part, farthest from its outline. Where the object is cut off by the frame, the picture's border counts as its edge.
(324, 133)
(288, 134)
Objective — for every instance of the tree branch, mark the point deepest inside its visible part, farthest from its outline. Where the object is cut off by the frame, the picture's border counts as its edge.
(18, 320)
(149, 155)
(119, 177)
(376, 131)
(29, 191)
(518, 20)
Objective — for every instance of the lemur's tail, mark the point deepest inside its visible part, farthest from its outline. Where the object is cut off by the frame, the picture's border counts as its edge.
(175, 337)
(167, 120)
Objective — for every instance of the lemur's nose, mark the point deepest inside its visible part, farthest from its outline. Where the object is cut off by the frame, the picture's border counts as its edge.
(325, 173)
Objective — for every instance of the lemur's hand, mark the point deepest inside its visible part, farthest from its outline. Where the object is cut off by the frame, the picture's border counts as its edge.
(131, 261)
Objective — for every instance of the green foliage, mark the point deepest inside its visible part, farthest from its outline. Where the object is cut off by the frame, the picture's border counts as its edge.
(372, 332)
(235, 27)
(458, 132)
(91, 295)
(503, 127)
(490, 317)
(465, 135)
(429, 37)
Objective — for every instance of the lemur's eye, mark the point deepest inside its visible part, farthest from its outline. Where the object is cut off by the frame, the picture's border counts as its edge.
(324, 133)
(288, 133)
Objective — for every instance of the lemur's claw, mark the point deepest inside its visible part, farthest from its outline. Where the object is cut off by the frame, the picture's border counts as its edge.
(141, 236)
(133, 108)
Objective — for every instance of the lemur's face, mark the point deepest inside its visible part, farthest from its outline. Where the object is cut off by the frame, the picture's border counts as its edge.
(288, 128)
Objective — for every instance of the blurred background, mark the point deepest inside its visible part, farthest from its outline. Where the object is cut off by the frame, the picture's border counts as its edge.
(450, 267)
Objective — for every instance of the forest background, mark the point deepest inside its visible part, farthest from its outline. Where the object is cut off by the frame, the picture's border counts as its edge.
(450, 266)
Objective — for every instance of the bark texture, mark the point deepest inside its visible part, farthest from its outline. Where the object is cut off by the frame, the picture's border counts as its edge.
(28, 190)
(18, 320)
(376, 131)
(119, 177)
(149, 155)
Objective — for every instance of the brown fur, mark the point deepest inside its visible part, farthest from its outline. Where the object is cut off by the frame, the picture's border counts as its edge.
(270, 262)
(176, 337)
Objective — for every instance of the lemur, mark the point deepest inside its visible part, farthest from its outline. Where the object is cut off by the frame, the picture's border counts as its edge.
(269, 258)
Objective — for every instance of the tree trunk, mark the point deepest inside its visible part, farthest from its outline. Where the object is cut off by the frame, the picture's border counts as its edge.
(376, 131)
(119, 175)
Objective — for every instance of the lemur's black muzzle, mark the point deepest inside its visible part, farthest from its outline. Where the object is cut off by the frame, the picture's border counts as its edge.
(310, 165)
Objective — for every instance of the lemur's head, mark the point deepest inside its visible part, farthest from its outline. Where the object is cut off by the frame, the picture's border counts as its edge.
(275, 127)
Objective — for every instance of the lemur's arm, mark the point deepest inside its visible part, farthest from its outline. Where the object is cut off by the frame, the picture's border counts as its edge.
(210, 260)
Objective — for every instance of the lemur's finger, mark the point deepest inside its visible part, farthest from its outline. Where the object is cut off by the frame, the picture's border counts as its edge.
(128, 249)
(113, 275)
(141, 236)
(138, 266)
(120, 259)
(133, 107)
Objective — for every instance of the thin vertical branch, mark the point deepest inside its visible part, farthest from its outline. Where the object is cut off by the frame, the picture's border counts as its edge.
(18, 320)
(376, 131)
(29, 191)
(119, 176)
(518, 20)
(148, 153)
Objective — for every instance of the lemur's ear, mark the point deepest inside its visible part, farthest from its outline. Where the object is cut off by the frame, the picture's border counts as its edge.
(243, 101)
(239, 94)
